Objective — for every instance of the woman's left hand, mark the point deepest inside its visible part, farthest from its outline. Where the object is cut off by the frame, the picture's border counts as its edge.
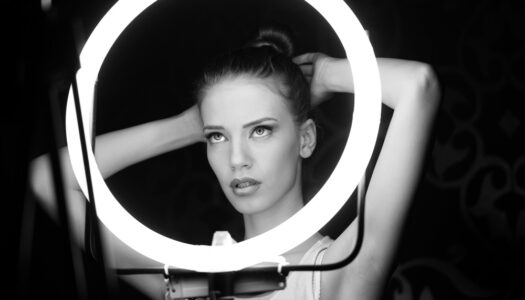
(314, 67)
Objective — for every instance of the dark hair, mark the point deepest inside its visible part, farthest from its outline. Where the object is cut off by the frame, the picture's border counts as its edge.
(269, 54)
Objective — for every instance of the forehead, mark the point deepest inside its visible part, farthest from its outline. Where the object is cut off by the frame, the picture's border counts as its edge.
(243, 99)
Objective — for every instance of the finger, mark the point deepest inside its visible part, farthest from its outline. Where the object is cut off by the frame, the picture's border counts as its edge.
(305, 58)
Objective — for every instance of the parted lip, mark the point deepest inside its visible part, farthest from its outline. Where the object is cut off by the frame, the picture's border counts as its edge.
(238, 181)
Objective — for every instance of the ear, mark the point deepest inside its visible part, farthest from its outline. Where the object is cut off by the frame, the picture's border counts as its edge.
(308, 138)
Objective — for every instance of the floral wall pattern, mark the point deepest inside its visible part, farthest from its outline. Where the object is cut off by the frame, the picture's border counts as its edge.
(474, 176)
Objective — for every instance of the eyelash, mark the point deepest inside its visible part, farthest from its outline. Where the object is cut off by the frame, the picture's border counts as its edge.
(268, 130)
(210, 135)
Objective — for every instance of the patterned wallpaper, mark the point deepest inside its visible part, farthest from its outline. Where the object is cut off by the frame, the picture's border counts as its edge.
(469, 218)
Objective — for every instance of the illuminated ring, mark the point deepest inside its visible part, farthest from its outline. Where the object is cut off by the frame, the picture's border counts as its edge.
(295, 230)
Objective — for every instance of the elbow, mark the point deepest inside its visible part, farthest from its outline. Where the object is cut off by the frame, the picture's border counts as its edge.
(40, 183)
(427, 85)
(38, 176)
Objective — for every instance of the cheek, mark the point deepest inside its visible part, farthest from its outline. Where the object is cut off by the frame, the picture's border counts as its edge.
(280, 159)
(217, 161)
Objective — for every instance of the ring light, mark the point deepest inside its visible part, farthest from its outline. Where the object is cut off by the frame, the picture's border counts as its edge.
(295, 230)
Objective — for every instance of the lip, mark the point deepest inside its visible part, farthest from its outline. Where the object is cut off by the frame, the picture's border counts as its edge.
(244, 186)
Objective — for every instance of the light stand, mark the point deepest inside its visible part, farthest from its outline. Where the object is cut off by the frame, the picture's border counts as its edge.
(184, 284)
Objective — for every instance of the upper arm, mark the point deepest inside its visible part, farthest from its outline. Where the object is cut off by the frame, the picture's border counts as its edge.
(392, 184)
(115, 151)
(42, 185)
(117, 254)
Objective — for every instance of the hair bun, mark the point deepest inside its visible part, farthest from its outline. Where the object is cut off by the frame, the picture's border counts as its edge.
(277, 37)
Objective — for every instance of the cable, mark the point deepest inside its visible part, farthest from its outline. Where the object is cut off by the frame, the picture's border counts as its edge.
(108, 290)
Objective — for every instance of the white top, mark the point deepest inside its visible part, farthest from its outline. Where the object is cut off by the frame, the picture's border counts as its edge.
(302, 285)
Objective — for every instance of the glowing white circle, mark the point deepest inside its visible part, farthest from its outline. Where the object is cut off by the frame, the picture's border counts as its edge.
(295, 230)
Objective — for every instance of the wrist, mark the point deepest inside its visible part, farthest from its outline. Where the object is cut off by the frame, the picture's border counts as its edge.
(338, 76)
(192, 123)
(179, 131)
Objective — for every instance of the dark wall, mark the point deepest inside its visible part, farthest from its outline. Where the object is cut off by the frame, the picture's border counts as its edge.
(465, 234)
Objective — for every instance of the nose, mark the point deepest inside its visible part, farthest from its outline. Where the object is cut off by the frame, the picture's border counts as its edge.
(240, 155)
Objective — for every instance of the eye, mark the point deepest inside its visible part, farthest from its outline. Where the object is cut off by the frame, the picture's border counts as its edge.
(215, 137)
(261, 131)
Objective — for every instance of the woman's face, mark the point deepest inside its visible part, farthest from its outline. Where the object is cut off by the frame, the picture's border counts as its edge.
(253, 143)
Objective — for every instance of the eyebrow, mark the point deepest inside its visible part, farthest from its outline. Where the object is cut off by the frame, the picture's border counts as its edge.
(258, 121)
(252, 123)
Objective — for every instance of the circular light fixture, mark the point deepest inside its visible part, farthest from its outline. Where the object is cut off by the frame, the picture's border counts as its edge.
(267, 246)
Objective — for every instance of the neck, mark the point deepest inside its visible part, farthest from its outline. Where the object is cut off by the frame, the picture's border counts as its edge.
(290, 203)
(255, 224)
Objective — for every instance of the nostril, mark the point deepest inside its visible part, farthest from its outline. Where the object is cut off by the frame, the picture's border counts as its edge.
(239, 157)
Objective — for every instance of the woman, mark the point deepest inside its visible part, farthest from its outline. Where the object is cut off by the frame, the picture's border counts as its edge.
(252, 110)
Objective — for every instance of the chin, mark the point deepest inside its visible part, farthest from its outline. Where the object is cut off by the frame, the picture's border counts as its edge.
(248, 205)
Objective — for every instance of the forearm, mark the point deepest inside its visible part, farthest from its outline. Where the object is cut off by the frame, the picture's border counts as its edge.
(400, 79)
(117, 150)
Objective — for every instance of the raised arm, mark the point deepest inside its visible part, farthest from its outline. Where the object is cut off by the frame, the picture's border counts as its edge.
(117, 150)
(114, 152)
(411, 90)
